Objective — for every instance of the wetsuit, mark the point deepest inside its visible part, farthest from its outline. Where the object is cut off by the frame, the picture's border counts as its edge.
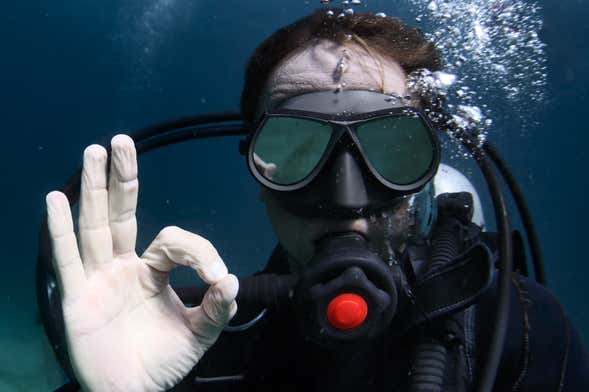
(542, 352)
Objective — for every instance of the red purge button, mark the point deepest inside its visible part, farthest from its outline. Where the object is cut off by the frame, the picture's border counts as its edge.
(347, 311)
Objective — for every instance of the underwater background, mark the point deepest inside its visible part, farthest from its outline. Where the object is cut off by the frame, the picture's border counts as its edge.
(73, 73)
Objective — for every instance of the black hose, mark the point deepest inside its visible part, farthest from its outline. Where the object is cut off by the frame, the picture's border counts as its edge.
(430, 358)
(489, 373)
(170, 132)
(263, 291)
(522, 206)
(186, 122)
(505, 268)
(183, 135)
(445, 244)
(429, 367)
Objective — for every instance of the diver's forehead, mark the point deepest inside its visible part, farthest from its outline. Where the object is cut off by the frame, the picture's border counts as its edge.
(323, 65)
(347, 101)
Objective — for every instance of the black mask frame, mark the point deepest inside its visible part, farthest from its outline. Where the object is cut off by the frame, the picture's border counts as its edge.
(345, 126)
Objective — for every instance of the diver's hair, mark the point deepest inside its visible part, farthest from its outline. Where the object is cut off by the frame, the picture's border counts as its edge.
(386, 36)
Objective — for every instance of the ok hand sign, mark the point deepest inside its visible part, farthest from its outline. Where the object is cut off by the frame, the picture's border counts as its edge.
(126, 328)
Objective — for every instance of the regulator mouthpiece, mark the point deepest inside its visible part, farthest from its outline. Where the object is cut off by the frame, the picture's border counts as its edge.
(347, 295)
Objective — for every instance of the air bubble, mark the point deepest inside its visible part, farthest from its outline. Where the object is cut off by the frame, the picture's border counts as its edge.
(480, 32)
(470, 113)
(499, 68)
(493, 47)
(443, 80)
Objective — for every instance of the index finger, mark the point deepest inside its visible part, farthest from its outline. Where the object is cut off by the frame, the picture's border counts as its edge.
(174, 246)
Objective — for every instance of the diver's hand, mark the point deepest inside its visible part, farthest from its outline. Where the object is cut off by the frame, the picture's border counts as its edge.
(126, 328)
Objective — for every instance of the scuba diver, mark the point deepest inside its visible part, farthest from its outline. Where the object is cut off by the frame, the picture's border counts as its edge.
(384, 278)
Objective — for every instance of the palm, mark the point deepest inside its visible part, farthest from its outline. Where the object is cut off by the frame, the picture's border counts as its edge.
(126, 327)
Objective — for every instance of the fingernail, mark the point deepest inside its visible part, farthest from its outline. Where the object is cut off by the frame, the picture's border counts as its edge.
(54, 197)
(95, 152)
(218, 270)
(121, 140)
(234, 285)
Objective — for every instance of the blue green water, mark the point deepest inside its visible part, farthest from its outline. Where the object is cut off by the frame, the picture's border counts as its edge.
(74, 73)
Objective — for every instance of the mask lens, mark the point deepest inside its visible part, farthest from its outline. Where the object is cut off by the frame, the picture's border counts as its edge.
(400, 148)
(287, 149)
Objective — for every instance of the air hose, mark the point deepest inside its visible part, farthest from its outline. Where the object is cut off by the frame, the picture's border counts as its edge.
(429, 367)
(431, 355)
(262, 291)
(444, 246)
(522, 206)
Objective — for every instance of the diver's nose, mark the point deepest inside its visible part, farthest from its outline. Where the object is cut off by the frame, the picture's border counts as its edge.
(344, 181)
(344, 186)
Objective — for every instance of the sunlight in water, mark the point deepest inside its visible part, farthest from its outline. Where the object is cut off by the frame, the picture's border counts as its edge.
(144, 28)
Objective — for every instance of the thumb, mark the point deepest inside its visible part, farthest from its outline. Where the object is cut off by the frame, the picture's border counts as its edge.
(217, 308)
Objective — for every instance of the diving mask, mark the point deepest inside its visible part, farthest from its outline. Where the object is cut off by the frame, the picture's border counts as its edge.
(395, 143)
